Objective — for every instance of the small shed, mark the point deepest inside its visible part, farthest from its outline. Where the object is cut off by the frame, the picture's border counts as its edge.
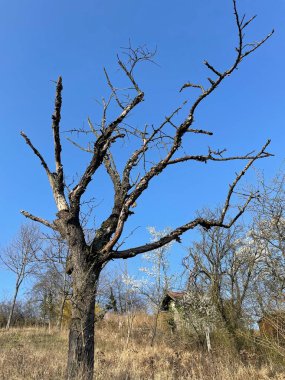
(171, 299)
(170, 309)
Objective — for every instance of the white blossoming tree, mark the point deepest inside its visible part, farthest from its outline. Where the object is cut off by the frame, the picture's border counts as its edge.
(158, 279)
(199, 313)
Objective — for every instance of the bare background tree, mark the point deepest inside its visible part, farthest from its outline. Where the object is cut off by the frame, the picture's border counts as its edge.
(20, 258)
(55, 256)
(87, 259)
(268, 237)
(222, 265)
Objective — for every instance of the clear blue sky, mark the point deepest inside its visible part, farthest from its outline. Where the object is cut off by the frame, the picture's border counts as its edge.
(41, 40)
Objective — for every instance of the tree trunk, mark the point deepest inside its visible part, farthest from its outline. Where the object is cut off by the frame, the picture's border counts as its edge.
(155, 326)
(64, 297)
(60, 318)
(208, 339)
(81, 335)
(13, 306)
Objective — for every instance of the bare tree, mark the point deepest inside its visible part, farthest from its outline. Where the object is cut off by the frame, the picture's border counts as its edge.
(55, 256)
(268, 236)
(45, 297)
(224, 264)
(24, 313)
(88, 259)
(20, 258)
(49, 294)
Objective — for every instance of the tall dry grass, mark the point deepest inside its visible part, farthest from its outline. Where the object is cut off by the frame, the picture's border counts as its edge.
(37, 354)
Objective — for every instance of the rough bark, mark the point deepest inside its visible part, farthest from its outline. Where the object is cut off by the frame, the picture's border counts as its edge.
(81, 336)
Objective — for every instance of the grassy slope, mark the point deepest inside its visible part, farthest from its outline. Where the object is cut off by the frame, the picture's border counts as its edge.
(34, 353)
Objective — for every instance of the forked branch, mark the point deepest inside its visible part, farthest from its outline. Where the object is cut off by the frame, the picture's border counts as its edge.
(205, 223)
(104, 141)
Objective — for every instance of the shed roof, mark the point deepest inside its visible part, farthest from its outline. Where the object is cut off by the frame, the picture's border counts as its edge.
(175, 295)
(171, 296)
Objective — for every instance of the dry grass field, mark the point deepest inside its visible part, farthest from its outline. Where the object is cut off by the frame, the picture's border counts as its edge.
(37, 354)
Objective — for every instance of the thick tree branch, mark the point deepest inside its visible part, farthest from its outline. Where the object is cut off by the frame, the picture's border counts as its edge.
(58, 177)
(55, 179)
(37, 153)
(132, 252)
(175, 234)
(101, 147)
(55, 127)
(108, 161)
(37, 219)
(211, 157)
(239, 176)
(112, 170)
(205, 223)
